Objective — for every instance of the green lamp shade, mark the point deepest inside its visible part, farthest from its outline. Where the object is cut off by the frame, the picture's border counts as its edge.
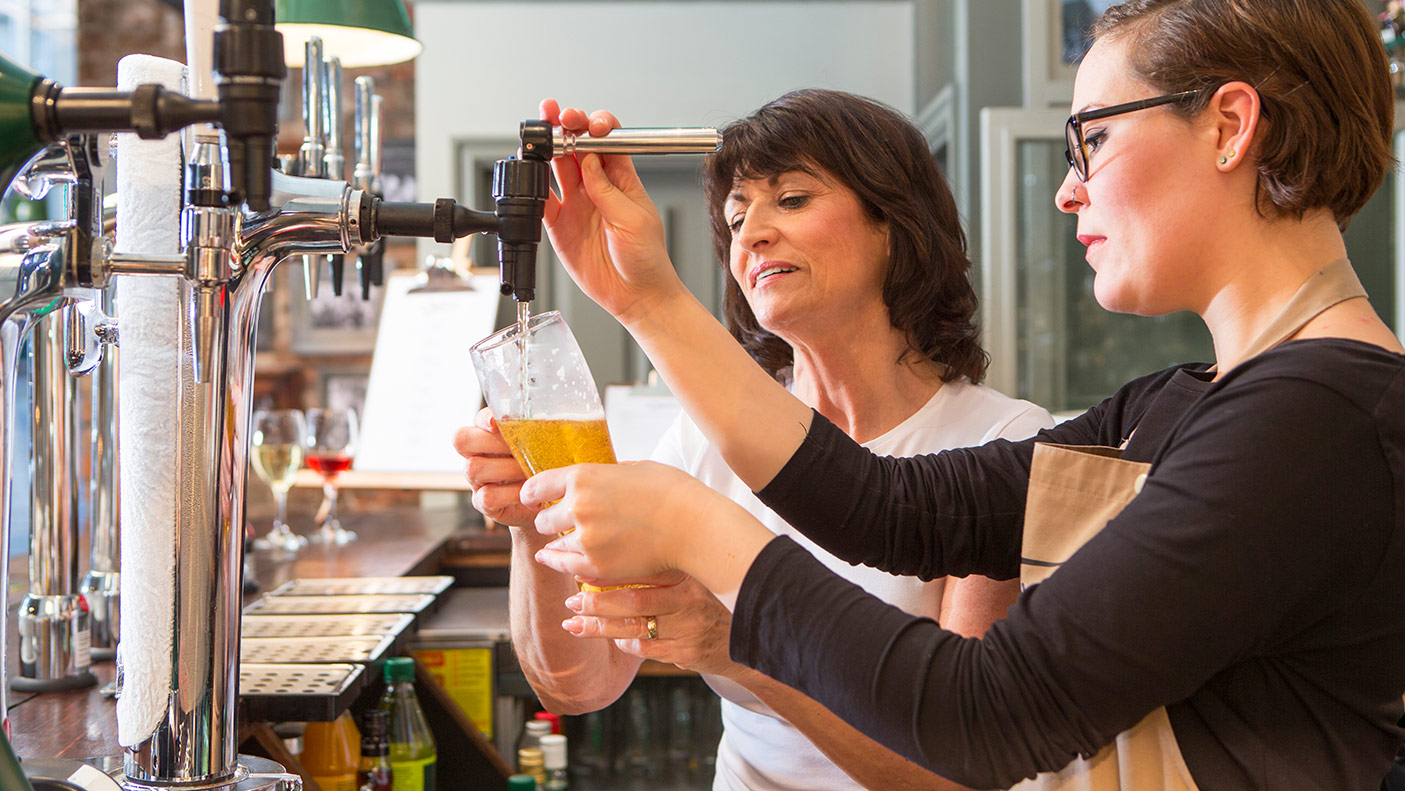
(360, 32)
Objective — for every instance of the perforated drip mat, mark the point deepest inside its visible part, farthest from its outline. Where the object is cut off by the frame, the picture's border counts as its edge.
(285, 650)
(348, 625)
(287, 692)
(365, 586)
(316, 605)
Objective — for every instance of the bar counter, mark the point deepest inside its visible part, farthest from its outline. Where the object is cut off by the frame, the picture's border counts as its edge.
(82, 724)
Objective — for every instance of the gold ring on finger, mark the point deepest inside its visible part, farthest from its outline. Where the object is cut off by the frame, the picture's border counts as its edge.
(653, 624)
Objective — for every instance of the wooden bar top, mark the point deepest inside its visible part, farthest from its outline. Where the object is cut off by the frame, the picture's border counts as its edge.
(391, 542)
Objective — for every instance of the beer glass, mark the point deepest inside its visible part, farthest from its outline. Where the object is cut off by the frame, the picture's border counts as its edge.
(544, 398)
(542, 394)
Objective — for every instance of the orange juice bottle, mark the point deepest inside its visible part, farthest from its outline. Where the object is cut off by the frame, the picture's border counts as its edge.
(331, 753)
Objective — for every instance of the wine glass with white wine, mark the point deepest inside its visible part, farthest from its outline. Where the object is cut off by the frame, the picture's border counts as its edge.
(278, 437)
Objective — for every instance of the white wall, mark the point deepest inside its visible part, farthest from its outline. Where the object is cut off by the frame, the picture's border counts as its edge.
(486, 65)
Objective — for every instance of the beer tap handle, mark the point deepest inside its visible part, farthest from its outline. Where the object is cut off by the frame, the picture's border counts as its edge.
(366, 175)
(332, 104)
(314, 80)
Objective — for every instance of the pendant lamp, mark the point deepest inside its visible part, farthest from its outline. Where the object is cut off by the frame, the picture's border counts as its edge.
(360, 32)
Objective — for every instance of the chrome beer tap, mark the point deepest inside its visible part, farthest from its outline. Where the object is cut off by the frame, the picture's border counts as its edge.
(53, 624)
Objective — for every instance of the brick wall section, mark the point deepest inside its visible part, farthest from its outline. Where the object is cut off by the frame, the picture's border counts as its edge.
(109, 29)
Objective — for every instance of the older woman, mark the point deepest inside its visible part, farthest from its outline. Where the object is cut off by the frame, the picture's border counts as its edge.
(1214, 557)
(849, 287)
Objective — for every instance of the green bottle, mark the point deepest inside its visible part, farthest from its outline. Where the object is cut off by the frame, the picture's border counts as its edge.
(412, 752)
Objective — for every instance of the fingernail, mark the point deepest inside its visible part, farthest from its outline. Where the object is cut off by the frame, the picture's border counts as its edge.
(540, 557)
(573, 625)
(573, 603)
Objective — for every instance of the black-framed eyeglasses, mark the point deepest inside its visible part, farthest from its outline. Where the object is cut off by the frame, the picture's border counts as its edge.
(1076, 150)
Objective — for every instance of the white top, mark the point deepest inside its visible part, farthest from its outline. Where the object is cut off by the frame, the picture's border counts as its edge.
(760, 751)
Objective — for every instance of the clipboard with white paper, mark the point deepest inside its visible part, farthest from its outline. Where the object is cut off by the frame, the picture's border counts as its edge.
(422, 386)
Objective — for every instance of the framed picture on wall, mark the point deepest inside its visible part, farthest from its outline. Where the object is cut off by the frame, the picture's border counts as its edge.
(1055, 39)
(331, 324)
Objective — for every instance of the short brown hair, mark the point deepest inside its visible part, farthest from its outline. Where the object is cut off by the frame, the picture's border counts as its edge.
(879, 155)
(1328, 109)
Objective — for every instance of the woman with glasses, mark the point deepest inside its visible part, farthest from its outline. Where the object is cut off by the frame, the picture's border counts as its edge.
(1213, 558)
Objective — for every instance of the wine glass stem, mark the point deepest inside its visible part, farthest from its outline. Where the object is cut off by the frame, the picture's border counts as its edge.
(331, 491)
(280, 497)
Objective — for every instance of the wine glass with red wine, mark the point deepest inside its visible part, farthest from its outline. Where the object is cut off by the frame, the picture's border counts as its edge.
(331, 444)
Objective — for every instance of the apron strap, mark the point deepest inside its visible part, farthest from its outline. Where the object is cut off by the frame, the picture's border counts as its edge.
(1335, 283)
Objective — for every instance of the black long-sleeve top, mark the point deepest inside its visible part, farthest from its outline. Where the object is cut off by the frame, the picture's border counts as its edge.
(1255, 587)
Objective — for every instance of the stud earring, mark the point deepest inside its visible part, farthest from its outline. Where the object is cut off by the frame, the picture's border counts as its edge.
(1231, 153)
(1223, 160)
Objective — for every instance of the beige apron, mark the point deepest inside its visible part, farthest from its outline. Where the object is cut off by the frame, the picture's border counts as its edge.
(1073, 492)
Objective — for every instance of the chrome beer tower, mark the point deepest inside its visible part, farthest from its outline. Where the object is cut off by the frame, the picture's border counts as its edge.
(238, 224)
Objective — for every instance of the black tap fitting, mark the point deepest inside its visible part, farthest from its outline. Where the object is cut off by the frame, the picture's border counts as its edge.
(249, 69)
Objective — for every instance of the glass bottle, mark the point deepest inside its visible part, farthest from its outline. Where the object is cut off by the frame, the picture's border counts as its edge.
(521, 783)
(375, 773)
(529, 762)
(412, 752)
(532, 733)
(329, 753)
(554, 762)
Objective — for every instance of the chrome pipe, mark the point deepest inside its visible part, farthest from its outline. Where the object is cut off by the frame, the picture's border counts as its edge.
(683, 140)
(53, 619)
(102, 585)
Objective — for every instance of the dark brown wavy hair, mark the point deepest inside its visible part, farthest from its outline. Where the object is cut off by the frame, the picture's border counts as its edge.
(879, 155)
(1322, 76)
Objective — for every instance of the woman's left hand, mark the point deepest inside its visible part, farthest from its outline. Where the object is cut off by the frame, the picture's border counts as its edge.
(691, 626)
(632, 521)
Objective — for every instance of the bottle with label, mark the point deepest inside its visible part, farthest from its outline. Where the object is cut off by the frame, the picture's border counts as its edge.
(329, 753)
(412, 752)
(554, 762)
(375, 773)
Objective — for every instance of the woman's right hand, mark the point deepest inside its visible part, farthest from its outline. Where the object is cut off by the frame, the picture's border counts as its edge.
(493, 474)
(603, 225)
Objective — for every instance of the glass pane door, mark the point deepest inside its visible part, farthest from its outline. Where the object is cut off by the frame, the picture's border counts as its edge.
(1049, 340)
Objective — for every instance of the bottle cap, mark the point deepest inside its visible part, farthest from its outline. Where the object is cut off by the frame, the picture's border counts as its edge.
(399, 669)
(554, 751)
(554, 719)
(521, 783)
(538, 728)
(529, 759)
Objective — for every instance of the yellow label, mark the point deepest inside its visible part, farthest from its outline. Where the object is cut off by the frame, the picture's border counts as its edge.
(413, 775)
(467, 675)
